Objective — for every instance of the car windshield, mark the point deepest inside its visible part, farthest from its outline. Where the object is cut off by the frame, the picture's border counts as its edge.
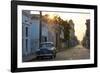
(47, 45)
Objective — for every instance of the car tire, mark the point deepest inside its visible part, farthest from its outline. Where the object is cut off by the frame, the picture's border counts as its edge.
(52, 57)
(38, 57)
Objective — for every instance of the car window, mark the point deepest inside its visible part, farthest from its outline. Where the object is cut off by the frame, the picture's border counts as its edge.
(47, 45)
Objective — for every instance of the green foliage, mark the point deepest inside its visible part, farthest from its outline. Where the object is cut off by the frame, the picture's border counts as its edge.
(65, 25)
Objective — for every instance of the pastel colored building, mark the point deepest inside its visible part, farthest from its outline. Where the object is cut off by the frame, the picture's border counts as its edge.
(32, 34)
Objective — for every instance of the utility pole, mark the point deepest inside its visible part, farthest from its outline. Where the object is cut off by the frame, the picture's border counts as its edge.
(40, 32)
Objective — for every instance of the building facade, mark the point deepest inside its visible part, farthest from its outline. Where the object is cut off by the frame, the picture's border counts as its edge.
(86, 39)
(34, 30)
(73, 39)
(25, 33)
(30, 33)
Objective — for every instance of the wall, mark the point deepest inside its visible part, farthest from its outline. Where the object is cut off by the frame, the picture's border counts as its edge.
(5, 32)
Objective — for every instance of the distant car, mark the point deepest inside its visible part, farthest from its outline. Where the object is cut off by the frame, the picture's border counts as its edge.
(46, 49)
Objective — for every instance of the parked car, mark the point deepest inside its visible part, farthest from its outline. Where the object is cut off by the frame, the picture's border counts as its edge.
(46, 49)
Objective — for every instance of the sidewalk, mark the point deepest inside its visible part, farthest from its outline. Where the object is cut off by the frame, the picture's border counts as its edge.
(29, 57)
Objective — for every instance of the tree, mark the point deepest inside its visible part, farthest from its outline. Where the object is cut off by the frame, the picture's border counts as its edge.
(66, 30)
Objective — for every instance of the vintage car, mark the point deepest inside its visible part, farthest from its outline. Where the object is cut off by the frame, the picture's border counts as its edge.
(46, 49)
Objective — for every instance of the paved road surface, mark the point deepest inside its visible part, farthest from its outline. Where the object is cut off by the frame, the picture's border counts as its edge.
(76, 53)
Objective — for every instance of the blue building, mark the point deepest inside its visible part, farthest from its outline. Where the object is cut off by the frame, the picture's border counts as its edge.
(31, 33)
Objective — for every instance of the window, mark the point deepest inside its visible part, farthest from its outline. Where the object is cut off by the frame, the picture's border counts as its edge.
(26, 44)
(26, 31)
(26, 20)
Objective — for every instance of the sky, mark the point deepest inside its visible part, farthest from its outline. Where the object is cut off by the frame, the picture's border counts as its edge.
(79, 20)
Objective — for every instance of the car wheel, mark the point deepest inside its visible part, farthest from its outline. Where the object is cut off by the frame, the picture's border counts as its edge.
(38, 57)
(52, 57)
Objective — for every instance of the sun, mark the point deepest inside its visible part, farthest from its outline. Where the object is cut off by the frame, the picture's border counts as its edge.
(51, 16)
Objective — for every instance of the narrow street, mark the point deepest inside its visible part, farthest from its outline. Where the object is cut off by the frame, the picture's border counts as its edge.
(76, 53)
